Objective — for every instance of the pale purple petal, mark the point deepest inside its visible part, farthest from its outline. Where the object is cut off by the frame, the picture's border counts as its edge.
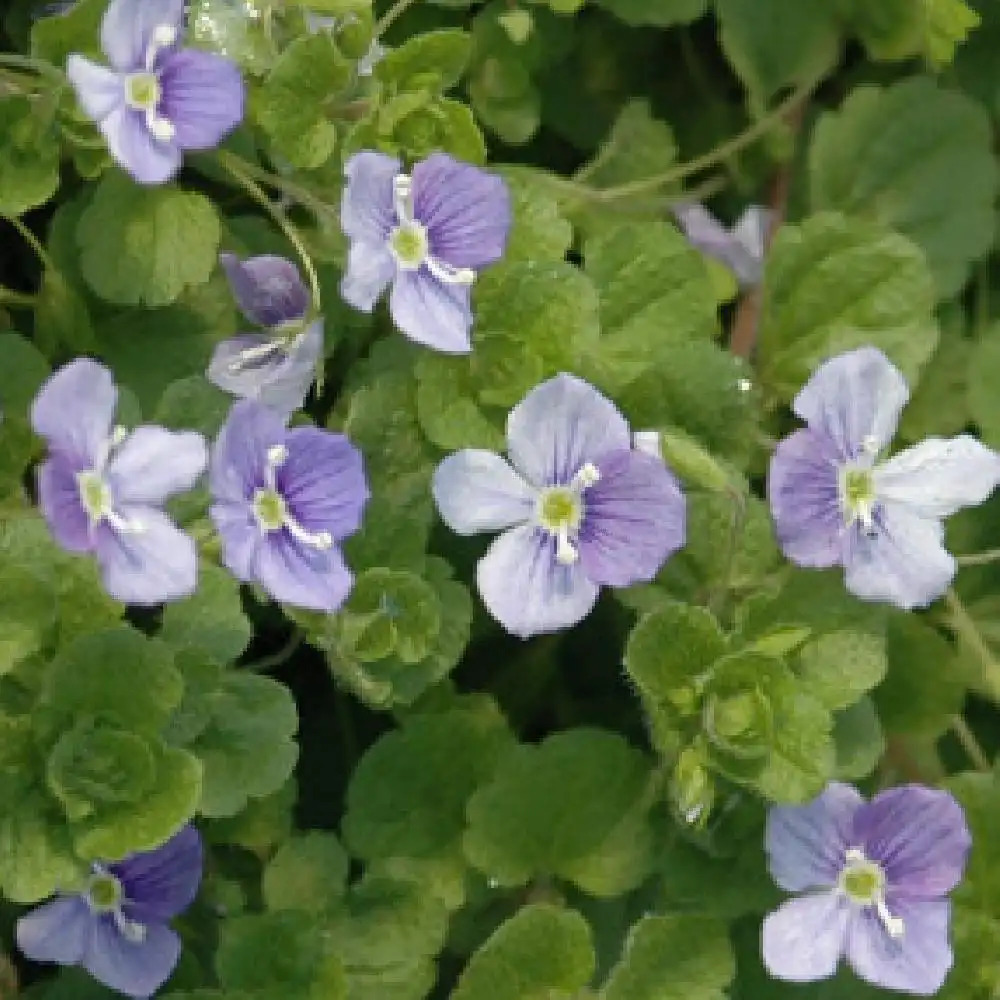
(804, 494)
(476, 490)
(240, 451)
(161, 883)
(465, 209)
(901, 561)
(634, 519)
(56, 931)
(647, 442)
(135, 968)
(526, 590)
(561, 425)
(59, 499)
(750, 239)
(432, 313)
(75, 408)
(157, 564)
(154, 463)
(136, 151)
(803, 939)
(268, 288)
(370, 268)
(920, 838)
(702, 229)
(367, 210)
(918, 962)
(938, 477)
(852, 398)
(98, 89)
(241, 536)
(202, 97)
(128, 26)
(293, 573)
(806, 845)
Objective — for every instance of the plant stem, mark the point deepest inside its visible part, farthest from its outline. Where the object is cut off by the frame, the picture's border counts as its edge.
(293, 190)
(395, 11)
(18, 299)
(32, 240)
(276, 659)
(970, 744)
(979, 558)
(39, 66)
(967, 630)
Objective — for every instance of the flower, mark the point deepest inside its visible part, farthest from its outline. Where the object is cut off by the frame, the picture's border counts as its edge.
(278, 367)
(426, 234)
(158, 99)
(582, 509)
(283, 499)
(834, 504)
(101, 488)
(117, 928)
(874, 878)
(741, 248)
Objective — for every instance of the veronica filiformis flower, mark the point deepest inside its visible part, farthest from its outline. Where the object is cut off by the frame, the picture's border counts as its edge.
(117, 927)
(835, 503)
(740, 248)
(579, 508)
(158, 99)
(873, 878)
(427, 234)
(277, 366)
(102, 488)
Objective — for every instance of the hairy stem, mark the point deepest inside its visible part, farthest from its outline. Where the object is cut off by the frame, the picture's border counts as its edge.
(970, 744)
(979, 558)
(395, 11)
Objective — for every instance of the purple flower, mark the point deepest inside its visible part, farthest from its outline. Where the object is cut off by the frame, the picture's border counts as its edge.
(582, 508)
(101, 488)
(277, 367)
(741, 248)
(158, 99)
(874, 878)
(835, 505)
(283, 499)
(117, 928)
(426, 234)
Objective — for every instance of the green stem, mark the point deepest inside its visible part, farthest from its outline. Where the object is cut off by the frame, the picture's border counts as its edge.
(395, 11)
(32, 240)
(979, 558)
(38, 66)
(967, 630)
(970, 744)
(18, 299)
(276, 659)
(293, 190)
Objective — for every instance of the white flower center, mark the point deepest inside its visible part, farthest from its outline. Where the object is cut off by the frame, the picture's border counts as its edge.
(95, 494)
(559, 510)
(863, 883)
(142, 89)
(271, 511)
(856, 487)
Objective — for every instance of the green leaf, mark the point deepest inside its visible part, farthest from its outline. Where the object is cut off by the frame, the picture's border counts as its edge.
(983, 370)
(146, 244)
(434, 61)
(504, 95)
(833, 284)
(979, 796)
(28, 608)
(673, 958)
(540, 952)
(309, 872)
(839, 667)
(899, 29)
(36, 856)
(540, 232)
(75, 30)
(940, 405)
(859, 740)
(949, 23)
(891, 155)
(29, 154)
(211, 621)
(193, 404)
(661, 13)
(23, 371)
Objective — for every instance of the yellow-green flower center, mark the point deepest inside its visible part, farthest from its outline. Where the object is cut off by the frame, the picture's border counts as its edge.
(269, 509)
(95, 496)
(560, 507)
(408, 242)
(142, 91)
(862, 881)
(104, 893)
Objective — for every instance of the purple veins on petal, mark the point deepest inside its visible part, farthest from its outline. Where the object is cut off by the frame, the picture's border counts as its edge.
(268, 289)
(741, 248)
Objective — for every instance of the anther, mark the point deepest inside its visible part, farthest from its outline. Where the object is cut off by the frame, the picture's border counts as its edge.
(314, 539)
(161, 128)
(869, 444)
(131, 930)
(566, 552)
(894, 925)
(276, 455)
(164, 35)
(587, 475)
(449, 275)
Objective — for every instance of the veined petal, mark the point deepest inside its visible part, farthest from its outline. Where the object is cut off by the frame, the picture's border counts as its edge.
(161, 883)
(75, 408)
(476, 490)
(901, 561)
(267, 288)
(367, 209)
(430, 313)
(154, 463)
(239, 455)
(466, 211)
(370, 268)
(241, 537)
(128, 27)
(135, 968)
(136, 150)
(559, 426)
(59, 499)
(938, 476)
(293, 573)
(750, 239)
(56, 931)
(203, 97)
(803, 939)
(854, 399)
(526, 590)
(634, 519)
(98, 89)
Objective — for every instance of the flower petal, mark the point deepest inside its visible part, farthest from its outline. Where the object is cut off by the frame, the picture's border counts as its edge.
(804, 494)
(268, 288)
(920, 838)
(74, 410)
(430, 313)
(803, 939)
(59, 499)
(98, 89)
(476, 490)
(559, 426)
(157, 564)
(465, 209)
(128, 26)
(136, 151)
(918, 962)
(292, 573)
(938, 477)
(901, 561)
(239, 454)
(749, 244)
(852, 398)
(634, 521)
(203, 97)
(154, 463)
(241, 536)
(56, 931)
(135, 968)
(806, 845)
(370, 268)
(161, 883)
(526, 590)
(367, 209)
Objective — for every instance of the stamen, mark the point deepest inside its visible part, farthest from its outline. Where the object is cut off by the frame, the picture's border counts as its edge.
(449, 275)
(863, 882)
(566, 552)
(870, 445)
(163, 36)
(402, 197)
(587, 475)
(895, 927)
(314, 539)
(254, 356)
(131, 930)
(160, 127)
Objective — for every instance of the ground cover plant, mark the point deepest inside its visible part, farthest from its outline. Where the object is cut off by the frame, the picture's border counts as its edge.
(498, 501)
